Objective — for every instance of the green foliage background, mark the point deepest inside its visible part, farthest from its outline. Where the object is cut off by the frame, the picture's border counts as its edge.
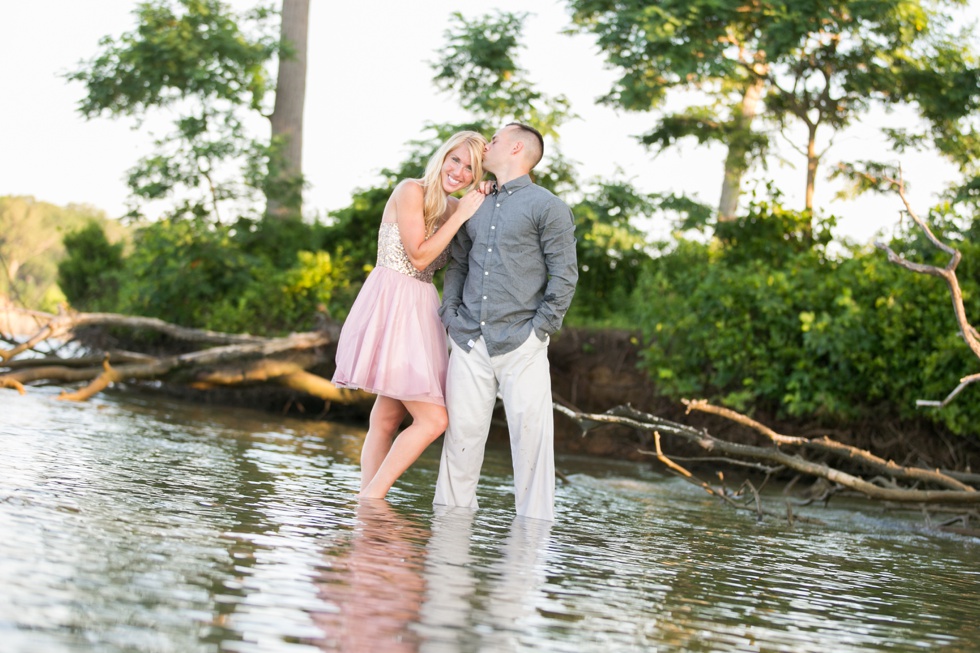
(32, 245)
(749, 320)
(766, 313)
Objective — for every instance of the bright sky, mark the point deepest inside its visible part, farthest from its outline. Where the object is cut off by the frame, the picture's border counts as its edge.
(369, 92)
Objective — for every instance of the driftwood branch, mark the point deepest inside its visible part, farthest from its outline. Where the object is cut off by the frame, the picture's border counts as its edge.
(732, 499)
(236, 359)
(57, 326)
(947, 274)
(925, 486)
(834, 448)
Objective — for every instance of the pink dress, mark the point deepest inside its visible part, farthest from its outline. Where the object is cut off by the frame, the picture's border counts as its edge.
(393, 343)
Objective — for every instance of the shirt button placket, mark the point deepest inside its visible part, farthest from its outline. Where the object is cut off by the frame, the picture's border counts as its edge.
(486, 267)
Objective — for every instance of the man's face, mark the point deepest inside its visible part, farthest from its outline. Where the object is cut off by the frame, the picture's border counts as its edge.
(498, 148)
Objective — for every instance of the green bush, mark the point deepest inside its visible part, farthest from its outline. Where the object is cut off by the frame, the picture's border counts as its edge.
(758, 318)
(611, 253)
(91, 272)
(264, 278)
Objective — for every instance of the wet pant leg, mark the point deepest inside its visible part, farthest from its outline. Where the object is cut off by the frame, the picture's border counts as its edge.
(471, 392)
(525, 384)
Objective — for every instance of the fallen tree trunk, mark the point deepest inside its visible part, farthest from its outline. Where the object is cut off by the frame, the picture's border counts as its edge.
(238, 359)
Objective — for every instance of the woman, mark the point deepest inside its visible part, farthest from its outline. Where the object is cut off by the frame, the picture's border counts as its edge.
(392, 343)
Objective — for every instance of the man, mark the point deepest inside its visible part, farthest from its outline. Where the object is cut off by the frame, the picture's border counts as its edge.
(508, 285)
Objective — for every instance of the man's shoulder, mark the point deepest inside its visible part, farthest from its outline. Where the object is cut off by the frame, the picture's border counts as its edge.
(546, 203)
(545, 196)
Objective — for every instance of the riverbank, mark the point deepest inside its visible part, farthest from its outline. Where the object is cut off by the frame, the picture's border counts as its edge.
(595, 370)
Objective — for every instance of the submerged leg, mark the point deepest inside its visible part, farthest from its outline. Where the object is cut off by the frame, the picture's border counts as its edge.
(386, 417)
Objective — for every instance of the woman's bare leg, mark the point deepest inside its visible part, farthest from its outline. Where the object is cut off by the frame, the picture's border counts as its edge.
(386, 417)
(428, 423)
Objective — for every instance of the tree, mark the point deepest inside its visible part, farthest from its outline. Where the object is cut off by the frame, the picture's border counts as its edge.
(31, 247)
(764, 66)
(91, 256)
(287, 115)
(611, 250)
(208, 65)
(479, 64)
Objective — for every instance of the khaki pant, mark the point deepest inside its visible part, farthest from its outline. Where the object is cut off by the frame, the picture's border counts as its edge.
(523, 378)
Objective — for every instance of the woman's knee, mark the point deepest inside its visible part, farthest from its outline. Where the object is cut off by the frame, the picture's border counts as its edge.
(387, 414)
(432, 418)
(440, 422)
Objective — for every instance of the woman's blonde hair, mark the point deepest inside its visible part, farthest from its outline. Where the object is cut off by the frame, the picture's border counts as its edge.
(434, 199)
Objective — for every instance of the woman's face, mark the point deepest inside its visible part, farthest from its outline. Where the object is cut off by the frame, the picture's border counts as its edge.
(457, 170)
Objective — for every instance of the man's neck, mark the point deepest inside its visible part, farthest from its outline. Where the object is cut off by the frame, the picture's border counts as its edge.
(510, 175)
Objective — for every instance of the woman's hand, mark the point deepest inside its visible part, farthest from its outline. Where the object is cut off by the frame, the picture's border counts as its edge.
(469, 203)
(486, 187)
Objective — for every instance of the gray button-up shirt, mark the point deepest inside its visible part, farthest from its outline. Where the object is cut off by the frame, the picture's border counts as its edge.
(513, 269)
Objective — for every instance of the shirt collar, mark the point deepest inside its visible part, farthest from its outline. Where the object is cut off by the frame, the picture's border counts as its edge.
(516, 184)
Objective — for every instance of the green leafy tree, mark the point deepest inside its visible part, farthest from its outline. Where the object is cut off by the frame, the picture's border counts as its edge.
(32, 235)
(209, 66)
(479, 65)
(611, 252)
(767, 66)
(91, 272)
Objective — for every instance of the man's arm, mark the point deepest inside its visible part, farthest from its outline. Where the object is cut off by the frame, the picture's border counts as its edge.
(455, 279)
(558, 246)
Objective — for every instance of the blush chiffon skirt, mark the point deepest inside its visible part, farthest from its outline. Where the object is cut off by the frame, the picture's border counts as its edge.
(393, 343)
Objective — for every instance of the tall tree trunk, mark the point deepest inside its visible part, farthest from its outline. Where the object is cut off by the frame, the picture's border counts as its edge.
(287, 116)
(812, 162)
(736, 163)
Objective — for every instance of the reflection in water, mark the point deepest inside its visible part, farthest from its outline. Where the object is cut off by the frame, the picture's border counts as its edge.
(397, 586)
(466, 596)
(516, 579)
(375, 588)
(449, 571)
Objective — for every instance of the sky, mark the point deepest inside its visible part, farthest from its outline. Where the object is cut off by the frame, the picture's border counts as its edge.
(369, 93)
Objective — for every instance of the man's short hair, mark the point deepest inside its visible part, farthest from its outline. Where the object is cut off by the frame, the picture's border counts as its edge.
(535, 145)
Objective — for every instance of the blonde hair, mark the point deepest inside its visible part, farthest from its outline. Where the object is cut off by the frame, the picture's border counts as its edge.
(434, 199)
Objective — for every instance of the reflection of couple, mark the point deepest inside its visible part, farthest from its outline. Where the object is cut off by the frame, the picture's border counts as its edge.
(402, 587)
(377, 587)
(511, 276)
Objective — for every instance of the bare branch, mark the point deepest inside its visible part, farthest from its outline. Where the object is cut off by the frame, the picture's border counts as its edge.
(965, 381)
(948, 274)
(955, 492)
(826, 445)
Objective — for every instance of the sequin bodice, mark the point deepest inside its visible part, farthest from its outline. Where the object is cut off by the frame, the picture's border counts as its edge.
(392, 255)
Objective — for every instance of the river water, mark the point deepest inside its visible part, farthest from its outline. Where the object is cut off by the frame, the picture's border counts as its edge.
(134, 523)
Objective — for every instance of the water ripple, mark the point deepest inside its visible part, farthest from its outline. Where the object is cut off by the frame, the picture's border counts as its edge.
(136, 524)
